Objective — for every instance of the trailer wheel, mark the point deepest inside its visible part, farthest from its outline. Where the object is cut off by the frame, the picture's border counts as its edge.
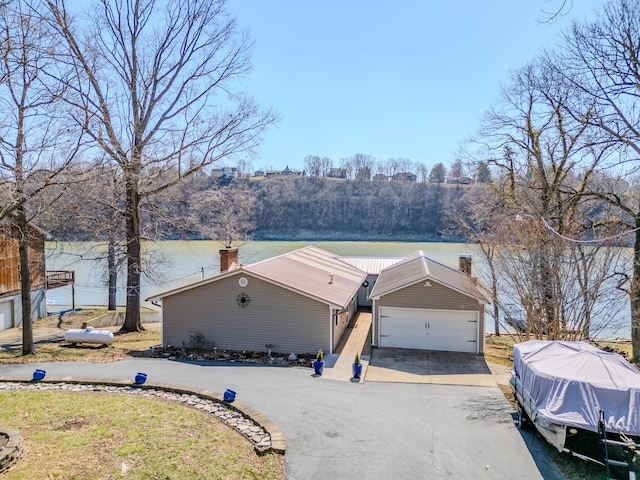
(522, 419)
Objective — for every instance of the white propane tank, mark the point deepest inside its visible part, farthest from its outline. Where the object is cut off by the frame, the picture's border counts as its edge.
(88, 335)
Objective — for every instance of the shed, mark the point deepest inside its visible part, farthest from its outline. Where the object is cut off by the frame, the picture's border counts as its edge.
(296, 302)
(425, 303)
(10, 286)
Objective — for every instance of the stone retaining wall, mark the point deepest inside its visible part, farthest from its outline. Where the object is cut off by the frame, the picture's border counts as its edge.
(265, 435)
(12, 451)
(114, 319)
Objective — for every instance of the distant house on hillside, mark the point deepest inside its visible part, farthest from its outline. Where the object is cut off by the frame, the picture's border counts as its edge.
(258, 173)
(405, 177)
(286, 172)
(380, 177)
(459, 180)
(224, 173)
(337, 173)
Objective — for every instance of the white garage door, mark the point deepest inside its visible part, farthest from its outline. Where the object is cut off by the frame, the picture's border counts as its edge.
(6, 314)
(448, 330)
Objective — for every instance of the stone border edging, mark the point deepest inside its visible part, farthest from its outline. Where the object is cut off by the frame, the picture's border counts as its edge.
(13, 451)
(276, 437)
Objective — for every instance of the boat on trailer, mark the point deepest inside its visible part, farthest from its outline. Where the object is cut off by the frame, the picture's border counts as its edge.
(581, 399)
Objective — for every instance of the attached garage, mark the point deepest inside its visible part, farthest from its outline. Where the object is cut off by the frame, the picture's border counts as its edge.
(424, 303)
(427, 329)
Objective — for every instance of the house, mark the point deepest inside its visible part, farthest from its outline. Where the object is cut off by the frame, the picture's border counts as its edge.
(10, 287)
(224, 174)
(297, 302)
(303, 300)
(337, 173)
(380, 177)
(258, 173)
(459, 180)
(424, 303)
(405, 177)
(286, 172)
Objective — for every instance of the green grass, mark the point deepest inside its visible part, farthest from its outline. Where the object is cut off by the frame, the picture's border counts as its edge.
(84, 436)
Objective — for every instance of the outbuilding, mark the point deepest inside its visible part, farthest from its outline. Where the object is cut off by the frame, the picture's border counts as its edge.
(424, 303)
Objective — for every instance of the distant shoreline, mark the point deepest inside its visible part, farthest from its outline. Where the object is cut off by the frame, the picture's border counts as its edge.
(311, 235)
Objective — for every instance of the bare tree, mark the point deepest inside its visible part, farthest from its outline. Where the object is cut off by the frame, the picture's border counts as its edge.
(457, 169)
(35, 144)
(547, 160)
(155, 82)
(599, 59)
(362, 166)
(313, 165)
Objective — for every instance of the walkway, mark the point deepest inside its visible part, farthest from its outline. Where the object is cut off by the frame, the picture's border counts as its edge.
(356, 340)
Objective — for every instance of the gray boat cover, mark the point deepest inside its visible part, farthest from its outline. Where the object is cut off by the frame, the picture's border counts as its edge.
(571, 382)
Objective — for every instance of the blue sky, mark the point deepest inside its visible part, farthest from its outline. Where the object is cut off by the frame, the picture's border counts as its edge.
(409, 78)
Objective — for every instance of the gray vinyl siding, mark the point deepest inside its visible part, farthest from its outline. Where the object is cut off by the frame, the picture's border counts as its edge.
(437, 297)
(288, 321)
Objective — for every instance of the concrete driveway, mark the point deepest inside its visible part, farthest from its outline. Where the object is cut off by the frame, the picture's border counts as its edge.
(427, 366)
(344, 430)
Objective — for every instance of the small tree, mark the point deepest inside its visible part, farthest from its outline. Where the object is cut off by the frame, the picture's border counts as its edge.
(438, 173)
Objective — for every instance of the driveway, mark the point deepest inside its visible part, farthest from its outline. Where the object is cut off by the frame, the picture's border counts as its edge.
(427, 366)
(343, 430)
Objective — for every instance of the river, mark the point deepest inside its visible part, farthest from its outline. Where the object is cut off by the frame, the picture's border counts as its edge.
(173, 263)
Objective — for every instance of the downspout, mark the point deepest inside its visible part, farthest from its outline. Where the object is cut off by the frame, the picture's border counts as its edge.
(330, 330)
(373, 323)
(159, 304)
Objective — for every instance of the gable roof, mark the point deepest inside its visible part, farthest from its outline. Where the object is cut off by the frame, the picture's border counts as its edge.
(310, 271)
(419, 267)
(314, 272)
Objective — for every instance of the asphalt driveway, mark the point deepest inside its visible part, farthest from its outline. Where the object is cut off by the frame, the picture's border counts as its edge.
(342, 430)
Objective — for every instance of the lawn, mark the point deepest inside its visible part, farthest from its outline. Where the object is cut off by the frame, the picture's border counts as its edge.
(82, 436)
(124, 345)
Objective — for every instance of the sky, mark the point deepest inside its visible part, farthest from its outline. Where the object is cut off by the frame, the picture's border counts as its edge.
(402, 79)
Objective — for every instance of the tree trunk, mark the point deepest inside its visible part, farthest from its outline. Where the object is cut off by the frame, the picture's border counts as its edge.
(132, 321)
(635, 297)
(113, 274)
(25, 282)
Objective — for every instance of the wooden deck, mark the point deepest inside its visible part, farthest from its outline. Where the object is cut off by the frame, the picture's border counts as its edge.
(59, 278)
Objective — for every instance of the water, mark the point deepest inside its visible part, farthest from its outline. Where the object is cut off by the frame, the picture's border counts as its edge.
(172, 264)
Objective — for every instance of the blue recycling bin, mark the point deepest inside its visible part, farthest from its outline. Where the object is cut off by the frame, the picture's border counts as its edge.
(141, 378)
(39, 374)
(229, 396)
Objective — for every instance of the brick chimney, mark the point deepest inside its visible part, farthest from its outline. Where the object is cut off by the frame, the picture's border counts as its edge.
(464, 262)
(228, 258)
